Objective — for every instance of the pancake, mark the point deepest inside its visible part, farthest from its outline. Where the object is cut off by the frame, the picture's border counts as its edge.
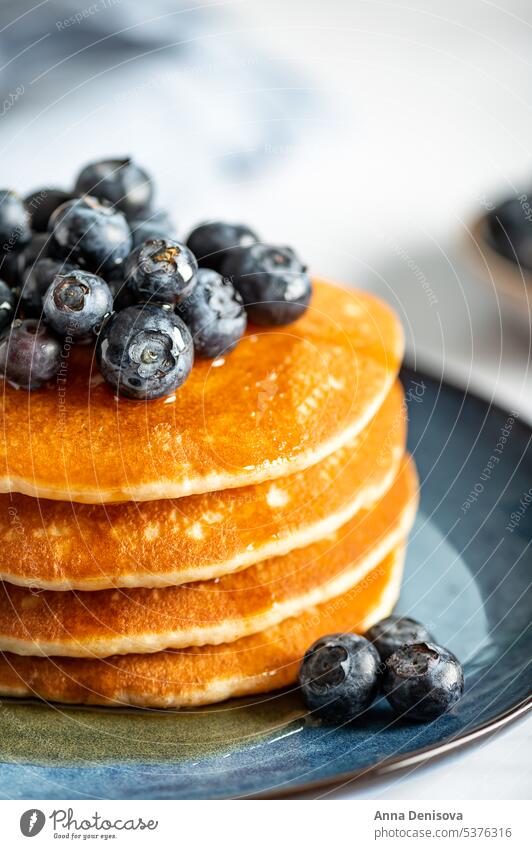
(99, 624)
(62, 545)
(198, 676)
(283, 400)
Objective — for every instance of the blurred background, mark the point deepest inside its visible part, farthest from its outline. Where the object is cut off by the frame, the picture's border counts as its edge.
(368, 135)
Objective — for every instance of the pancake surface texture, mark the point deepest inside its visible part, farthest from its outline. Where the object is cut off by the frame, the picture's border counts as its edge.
(197, 676)
(99, 624)
(60, 545)
(283, 400)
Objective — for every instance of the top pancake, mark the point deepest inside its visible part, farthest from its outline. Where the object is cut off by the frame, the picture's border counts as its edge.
(283, 400)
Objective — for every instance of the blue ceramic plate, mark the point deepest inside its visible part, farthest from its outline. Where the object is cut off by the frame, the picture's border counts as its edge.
(467, 577)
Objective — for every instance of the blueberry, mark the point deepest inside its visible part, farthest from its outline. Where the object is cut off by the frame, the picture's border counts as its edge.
(145, 351)
(10, 269)
(210, 242)
(15, 225)
(161, 271)
(422, 681)
(41, 203)
(510, 231)
(273, 282)
(91, 234)
(35, 281)
(339, 677)
(214, 314)
(119, 181)
(8, 304)
(13, 266)
(30, 353)
(75, 303)
(395, 631)
(154, 224)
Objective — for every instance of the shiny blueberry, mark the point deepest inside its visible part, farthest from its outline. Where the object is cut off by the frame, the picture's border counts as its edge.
(391, 633)
(120, 181)
(8, 303)
(35, 281)
(161, 271)
(273, 282)
(154, 224)
(210, 242)
(91, 234)
(41, 203)
(339, 677)
(30, 354)
(75, 303)
(214, 314)
(422, 681)
(145, 351)
(15, 225)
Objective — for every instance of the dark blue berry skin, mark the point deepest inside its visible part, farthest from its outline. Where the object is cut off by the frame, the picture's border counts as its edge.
(119, 181)
(210, 242)
(214, 314)
(273, 282)
(35, 281)
(145, 352)
(391, 633)
(8, 303)
(30, 354)
(340, 677)
(15, 225)
(91, 234)
(160, 271)
(76, 303)
(510, 232)
(156, 224)
(41, 203)
(422, 681)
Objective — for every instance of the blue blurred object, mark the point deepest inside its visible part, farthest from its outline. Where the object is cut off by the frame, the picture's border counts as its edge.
(165, 48)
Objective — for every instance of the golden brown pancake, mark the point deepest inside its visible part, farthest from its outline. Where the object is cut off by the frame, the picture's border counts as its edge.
(62, 545)
(285, 399)
(198, 676)
(99, 624)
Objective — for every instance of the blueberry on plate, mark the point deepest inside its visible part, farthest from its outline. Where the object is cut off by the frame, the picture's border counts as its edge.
(30, 354)
(153, 224)
(8, 303)
(75, 303)
(510, 231)
(214, 314)
(391, 633)
(120, 181)
(41, 203)
(145, 351)
(91, 234)
(15, 225)
(422, 681)
(35, 281)
(339, 677)
(273, 282)
(211, 241)
(161, 271)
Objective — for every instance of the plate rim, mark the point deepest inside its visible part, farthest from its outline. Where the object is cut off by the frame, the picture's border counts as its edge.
(424, 754)
(396, 763)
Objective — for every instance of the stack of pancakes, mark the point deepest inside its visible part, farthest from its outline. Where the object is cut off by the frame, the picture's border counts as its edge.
(182, 551)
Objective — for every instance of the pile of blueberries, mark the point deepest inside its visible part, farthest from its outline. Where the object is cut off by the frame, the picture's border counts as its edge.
(342, 674)
(102, 263)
